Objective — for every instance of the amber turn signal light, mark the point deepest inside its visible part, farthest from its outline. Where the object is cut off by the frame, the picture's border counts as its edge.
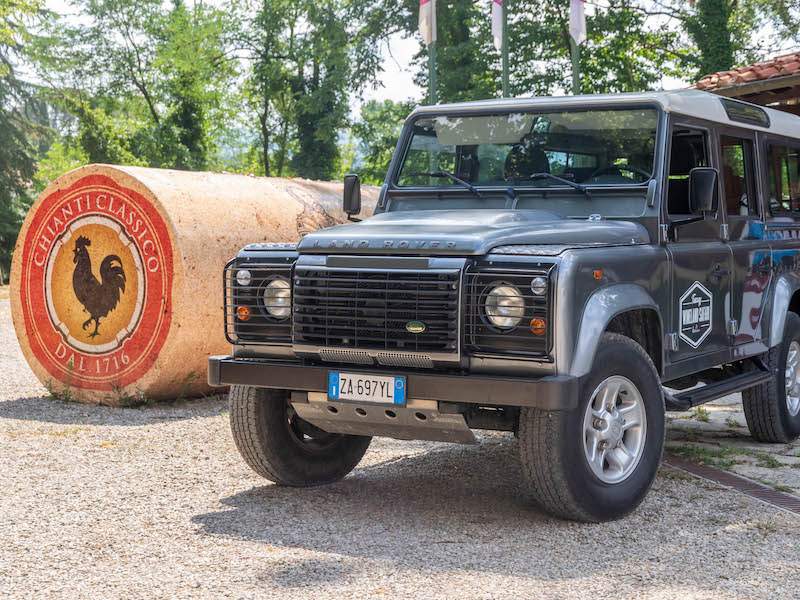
(243, 313)
(538, 326)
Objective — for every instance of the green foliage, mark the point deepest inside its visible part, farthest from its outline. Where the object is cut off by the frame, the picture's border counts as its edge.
(308, 59)
(18, 132)
(62, 156)
(265, 86)
(710, 29)
(466, 59)
(623, 53)
(377, 132)
(146, 83)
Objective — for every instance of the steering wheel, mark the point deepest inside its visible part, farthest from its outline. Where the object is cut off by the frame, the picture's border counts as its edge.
(645, 174)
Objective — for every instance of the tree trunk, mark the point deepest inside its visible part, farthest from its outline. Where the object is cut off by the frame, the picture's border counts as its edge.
(262, 118)
(282, 139)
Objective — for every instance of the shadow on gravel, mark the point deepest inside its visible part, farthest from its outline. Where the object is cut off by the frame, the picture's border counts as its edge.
(45, 409)
(453, 508)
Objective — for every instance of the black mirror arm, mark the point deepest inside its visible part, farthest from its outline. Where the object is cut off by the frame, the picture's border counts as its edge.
(353, 219)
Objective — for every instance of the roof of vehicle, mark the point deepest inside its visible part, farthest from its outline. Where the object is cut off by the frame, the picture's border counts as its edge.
(689, 102)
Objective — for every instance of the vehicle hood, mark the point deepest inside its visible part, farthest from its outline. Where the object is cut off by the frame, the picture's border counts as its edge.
(468, 232)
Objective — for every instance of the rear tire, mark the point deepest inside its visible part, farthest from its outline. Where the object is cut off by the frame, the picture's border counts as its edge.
(772, 410)
(283, 448)
(555, 446)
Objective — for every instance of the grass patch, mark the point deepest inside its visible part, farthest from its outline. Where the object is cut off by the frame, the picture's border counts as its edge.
(732, 423)
(779, 487)
(135, 399)
(766, 527)
(701, 414)
(722, 458)
(766, 460)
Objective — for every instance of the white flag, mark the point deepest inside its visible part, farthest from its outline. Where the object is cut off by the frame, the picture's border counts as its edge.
(577, 21)
(427, 21)
(497, 23)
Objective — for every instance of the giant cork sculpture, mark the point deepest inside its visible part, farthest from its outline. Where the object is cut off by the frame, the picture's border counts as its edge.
(116, 281)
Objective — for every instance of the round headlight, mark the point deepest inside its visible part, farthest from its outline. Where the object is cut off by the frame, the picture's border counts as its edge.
(243, 277)
(278, 298)
(505, 306)
(539, 286)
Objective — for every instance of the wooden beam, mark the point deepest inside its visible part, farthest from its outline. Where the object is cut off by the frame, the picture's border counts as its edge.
(765, 98)
(755, 87)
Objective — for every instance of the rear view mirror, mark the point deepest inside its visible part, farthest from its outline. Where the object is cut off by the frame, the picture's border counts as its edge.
(703, 190)
(351, 201)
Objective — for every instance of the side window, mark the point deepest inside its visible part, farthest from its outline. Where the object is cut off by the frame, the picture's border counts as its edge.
(689, 150)
(737, 176)
(784, 180)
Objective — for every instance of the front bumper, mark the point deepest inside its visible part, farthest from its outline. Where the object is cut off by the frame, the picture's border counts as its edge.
(548, 393)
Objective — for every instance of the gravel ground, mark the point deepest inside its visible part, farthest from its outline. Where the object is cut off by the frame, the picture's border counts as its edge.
(155, 502)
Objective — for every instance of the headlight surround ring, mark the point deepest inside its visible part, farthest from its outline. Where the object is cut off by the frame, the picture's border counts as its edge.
(504, 306)
(277, 298)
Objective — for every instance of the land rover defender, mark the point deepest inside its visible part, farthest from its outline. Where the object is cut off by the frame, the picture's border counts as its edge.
(561, 268)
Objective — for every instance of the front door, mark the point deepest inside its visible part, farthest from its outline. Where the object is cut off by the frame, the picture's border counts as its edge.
(701, 262)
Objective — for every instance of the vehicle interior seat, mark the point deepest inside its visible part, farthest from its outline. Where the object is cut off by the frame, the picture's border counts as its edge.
(683, 158)
(524, 160)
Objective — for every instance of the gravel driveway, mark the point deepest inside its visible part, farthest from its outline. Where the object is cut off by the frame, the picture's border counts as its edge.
(155, 502)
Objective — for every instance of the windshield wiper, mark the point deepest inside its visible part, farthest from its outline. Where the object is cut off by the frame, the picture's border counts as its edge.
(572, 184)
(451, 177)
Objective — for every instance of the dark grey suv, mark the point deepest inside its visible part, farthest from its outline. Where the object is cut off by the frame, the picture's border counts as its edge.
(560, 268)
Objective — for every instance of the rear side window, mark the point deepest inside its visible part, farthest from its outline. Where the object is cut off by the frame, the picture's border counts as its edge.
(737, 176)
(784, 180)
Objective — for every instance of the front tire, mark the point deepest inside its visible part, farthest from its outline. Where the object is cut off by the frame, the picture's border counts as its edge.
(283, 448)
(597, 462)
(772, 410)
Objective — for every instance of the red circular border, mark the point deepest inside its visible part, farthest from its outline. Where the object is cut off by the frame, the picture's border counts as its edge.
(138, 352)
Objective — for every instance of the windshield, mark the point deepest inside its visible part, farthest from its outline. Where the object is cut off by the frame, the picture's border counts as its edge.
(524, 149)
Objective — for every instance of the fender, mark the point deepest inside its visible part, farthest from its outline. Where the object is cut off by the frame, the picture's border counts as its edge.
(785, 288)
(600, 309)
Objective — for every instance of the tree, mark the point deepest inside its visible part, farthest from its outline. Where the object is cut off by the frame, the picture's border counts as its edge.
(147, 83)
(623, 51)
(725, 33)
(17, 130)
(308, 59)
(466, 65)
(377, 132)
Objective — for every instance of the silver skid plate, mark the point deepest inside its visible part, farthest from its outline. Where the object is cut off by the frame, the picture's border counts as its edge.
(404, 423)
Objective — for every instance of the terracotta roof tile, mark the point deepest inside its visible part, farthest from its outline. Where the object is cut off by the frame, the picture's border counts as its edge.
(780, 66)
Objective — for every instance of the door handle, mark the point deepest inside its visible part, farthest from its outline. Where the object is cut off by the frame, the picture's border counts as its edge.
(718, 272)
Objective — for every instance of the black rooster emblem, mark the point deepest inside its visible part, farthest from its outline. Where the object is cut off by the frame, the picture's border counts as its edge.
(97, 297)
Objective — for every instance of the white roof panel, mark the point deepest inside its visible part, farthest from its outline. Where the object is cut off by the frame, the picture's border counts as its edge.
(689, 102)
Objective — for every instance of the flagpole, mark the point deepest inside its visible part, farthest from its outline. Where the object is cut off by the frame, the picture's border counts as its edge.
(505, 51)
(432, 96)
(575, 51)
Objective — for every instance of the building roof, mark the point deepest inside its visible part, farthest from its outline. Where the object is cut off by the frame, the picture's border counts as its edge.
(688, 102)
(787, 65)
(774, 82)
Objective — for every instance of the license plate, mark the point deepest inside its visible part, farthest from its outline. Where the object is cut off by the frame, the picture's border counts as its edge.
(366, 388)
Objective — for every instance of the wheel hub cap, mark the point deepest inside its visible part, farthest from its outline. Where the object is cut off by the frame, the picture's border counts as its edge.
(615, 426)
(792, 379)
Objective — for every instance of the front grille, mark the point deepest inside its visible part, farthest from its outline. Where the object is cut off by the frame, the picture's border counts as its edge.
(374, 310)
(261, 328)
(481, 337)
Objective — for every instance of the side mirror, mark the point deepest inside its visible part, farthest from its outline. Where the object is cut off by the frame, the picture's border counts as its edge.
(351, 201)
(703, 187)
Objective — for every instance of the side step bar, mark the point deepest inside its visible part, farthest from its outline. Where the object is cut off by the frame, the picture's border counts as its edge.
(707, 393)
